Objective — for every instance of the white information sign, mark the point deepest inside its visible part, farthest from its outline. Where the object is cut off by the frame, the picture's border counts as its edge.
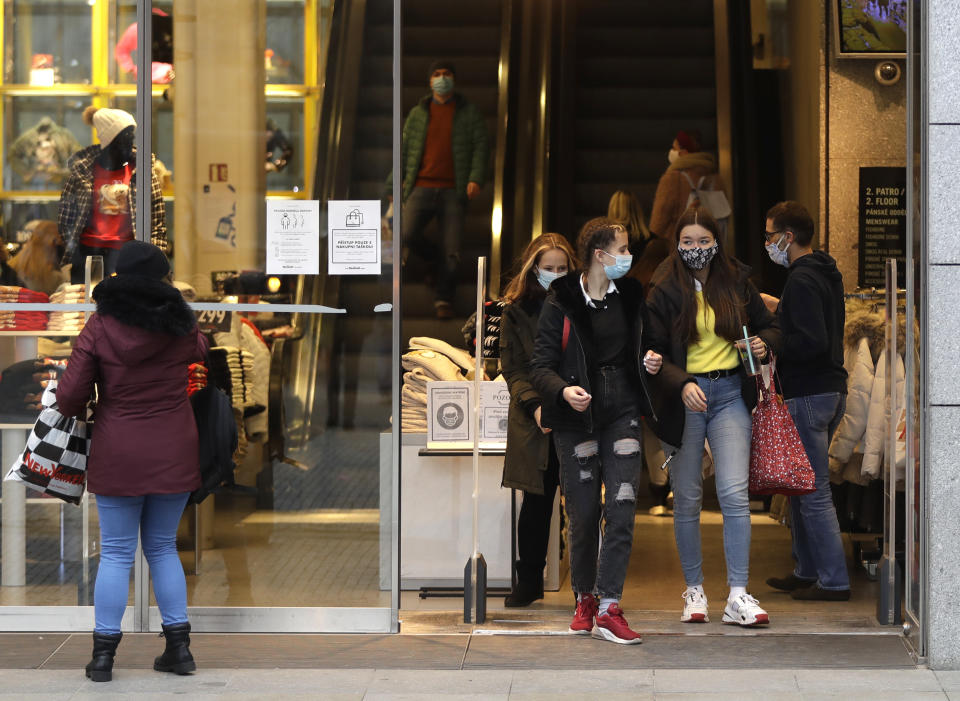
(353, 241)
(448, 413)
(293, 237)
(494, 407)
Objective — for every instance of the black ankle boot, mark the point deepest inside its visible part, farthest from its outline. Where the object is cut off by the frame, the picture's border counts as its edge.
(529, 587)
(176, 657)
(100, 668)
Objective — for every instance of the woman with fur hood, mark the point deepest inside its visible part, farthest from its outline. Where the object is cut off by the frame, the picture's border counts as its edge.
(136, 350)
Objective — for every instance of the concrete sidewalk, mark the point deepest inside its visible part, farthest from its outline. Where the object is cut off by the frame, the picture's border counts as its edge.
(500, 685)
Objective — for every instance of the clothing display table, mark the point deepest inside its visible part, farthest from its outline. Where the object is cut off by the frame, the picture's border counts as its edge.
(436, 515)
(13, 495)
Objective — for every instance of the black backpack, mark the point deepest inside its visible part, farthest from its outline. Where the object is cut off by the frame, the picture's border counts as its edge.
(218, 439)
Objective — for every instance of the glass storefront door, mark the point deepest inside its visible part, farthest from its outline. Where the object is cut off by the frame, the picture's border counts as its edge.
(246, 109)
(915, 513)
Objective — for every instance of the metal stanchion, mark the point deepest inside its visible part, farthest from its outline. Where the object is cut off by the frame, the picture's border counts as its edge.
(891, 578)
(475, 572)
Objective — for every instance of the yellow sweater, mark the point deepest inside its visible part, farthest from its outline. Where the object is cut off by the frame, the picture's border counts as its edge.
(711, 352)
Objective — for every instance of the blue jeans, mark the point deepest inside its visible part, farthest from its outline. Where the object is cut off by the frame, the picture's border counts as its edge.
(726, 424)
(449, 207)
(154, 517)
(817, 544)
(608, 457)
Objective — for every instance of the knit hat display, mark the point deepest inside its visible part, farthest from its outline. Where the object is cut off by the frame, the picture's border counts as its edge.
(108, 122)
(440, 65)
(142, 258)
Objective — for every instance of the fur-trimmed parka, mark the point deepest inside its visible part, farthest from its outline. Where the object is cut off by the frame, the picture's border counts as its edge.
(137, 349)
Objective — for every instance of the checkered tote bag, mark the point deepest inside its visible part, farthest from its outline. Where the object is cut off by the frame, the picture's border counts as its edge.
(778, 460)
(54, 460)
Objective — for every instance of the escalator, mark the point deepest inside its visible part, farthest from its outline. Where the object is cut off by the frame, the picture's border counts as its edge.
(639, 71)
(358, 342)
(631, 73)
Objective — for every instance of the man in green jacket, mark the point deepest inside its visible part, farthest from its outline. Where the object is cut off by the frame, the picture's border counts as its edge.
(444, 164)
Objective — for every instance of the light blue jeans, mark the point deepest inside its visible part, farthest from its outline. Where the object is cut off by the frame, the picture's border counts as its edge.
(726, 424)
(154, 517)
(817, 543)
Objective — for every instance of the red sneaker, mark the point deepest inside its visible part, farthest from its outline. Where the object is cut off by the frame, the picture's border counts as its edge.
(583, 617)
(613, 626)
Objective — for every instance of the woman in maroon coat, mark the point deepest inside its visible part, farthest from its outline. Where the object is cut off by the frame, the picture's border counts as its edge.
(143, 460)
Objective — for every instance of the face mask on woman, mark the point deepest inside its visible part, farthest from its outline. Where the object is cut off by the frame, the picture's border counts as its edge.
(618, 269)
(697, 258)
(776, 255)
(545, 277)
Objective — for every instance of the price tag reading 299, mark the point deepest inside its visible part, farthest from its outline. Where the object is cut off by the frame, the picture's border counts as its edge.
(210, 320)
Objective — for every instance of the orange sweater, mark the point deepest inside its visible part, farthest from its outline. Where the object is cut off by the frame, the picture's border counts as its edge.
(436, 165)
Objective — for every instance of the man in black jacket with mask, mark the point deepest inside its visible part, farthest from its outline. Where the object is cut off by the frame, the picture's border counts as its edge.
(811, 315)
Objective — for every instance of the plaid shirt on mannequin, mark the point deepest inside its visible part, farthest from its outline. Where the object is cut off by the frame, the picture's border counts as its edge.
(76, 203)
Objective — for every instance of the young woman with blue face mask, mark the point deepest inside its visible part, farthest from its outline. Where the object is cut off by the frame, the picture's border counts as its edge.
(530, 463)
(699, 302)
(589, 371)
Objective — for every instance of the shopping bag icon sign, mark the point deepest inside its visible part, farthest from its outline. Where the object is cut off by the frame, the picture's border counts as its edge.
(354, 218)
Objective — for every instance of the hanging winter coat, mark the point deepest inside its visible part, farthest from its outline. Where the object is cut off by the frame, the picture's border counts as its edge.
(878, 421)
(860, 372)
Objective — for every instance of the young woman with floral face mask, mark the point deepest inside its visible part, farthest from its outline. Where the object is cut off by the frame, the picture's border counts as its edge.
(589, 369)
(531, 462)
(698, 304)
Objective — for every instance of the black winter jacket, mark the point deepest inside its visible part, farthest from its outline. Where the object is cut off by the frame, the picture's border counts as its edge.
(553, 368)
(811, 314)
(528, 448)
(663, 307)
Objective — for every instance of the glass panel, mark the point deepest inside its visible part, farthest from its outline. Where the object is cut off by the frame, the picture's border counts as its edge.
(162, 130)
(284, 56)
(47, 42)
(42, 133)
(285, 144)
(122, 57)
(66, 180)
(305, 525)
(916, 286)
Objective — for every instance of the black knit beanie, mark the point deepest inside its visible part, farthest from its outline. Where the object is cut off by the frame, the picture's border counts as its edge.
(438, 65)
(144, 259)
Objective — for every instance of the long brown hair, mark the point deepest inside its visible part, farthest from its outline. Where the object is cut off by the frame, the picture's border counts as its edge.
(37, 263)
(720, 290)
(524, 282)
(625, 210)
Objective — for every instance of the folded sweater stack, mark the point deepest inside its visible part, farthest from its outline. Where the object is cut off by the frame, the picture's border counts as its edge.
(423, 366)
(22, 384)
(67, 322)
(231, 369)
(22, 320)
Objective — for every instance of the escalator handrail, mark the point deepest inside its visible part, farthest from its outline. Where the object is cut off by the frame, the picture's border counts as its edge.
(500, 155)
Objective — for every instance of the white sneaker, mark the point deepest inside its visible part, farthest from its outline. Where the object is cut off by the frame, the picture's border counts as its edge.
(744, 610)
(694, 607)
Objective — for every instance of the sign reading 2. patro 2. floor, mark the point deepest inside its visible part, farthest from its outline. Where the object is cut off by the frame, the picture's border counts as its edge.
(883, 223)
(353, 242)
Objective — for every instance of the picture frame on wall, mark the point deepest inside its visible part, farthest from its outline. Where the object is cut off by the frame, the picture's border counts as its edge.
(870, 28)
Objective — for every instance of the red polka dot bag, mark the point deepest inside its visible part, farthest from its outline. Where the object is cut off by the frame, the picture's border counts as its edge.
(778, 461)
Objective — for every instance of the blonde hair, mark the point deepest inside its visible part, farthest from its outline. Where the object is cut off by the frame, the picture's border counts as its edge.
(625, 210)
(36, 263)
(522, 281)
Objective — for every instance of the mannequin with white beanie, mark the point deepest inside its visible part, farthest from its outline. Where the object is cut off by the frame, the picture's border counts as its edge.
(98, 203)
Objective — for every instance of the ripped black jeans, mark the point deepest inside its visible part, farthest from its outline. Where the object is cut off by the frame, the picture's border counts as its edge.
(610, 456)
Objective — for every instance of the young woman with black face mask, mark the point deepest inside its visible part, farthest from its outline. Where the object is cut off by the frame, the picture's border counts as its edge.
(589, 370)
(699, 302)
(531, 461)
